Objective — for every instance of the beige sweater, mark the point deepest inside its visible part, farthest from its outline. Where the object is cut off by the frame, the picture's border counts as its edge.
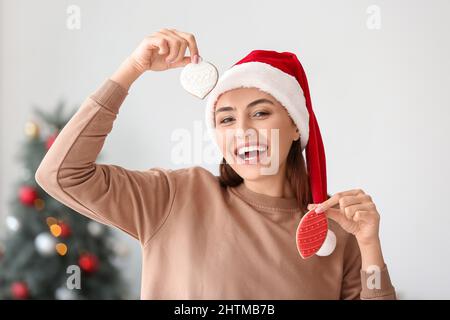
(198, 239)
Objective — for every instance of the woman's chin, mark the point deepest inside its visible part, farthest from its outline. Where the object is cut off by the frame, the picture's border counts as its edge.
(250, 168)
(249, 171)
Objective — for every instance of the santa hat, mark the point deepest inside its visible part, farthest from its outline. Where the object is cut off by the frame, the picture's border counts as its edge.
(281, 75)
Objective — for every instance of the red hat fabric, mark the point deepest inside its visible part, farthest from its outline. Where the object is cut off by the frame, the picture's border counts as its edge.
(281, 75)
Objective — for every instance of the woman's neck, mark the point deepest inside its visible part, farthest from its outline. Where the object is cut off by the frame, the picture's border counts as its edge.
(272, 185)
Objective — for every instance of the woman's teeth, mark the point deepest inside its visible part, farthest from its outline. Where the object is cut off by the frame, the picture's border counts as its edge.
(251, 152)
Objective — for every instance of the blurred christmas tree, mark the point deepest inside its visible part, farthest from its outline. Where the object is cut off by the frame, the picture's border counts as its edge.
(47, 244)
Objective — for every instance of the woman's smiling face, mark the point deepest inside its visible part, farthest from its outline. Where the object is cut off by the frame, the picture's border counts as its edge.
(254, 131)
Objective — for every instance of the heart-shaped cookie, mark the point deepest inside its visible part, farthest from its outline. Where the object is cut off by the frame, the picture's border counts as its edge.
(311, 233)
(199, 78)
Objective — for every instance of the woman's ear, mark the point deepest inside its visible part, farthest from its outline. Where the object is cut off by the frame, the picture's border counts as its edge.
(297, 135)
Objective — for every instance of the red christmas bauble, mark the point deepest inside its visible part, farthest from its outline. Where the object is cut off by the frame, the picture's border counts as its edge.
(19, 290)
(311, 233)
(27, 195)
(88, 262)
(66, 231)
(50, 140)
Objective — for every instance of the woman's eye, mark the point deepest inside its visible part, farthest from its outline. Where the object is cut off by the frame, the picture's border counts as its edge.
(261, 113)
(226, 120)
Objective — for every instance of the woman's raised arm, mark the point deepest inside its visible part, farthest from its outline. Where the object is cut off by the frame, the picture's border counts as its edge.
(136, 202)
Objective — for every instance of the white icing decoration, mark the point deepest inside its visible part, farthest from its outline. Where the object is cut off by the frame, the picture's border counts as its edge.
(199, 78)
(328, 245)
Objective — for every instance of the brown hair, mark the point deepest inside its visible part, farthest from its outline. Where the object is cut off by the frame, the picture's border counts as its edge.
(296, 173)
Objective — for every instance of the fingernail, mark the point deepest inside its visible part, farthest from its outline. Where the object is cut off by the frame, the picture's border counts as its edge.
(319, 209)
(196, 58)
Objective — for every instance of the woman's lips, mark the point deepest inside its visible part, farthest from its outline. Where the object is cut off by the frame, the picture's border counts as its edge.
(251, 152)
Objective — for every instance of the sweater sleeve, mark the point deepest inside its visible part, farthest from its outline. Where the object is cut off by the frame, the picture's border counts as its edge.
(137, 202)
(359, 284)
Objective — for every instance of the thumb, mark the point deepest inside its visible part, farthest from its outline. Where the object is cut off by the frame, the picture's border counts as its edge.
(312, 206)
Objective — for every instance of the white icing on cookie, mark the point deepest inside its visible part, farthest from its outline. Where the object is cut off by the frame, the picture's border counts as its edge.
(199, 78)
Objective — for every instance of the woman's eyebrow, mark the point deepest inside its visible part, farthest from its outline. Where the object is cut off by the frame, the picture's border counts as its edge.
(251, 104)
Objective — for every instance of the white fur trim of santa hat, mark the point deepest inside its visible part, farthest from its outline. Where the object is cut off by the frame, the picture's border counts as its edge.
(282, 86)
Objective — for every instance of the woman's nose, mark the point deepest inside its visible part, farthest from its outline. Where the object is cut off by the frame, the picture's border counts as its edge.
(242, 124)
(244, 129)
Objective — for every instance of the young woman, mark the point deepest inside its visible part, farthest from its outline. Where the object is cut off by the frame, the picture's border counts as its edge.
(227, 237)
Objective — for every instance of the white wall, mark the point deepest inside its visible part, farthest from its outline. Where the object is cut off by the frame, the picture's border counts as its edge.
(381, 98)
